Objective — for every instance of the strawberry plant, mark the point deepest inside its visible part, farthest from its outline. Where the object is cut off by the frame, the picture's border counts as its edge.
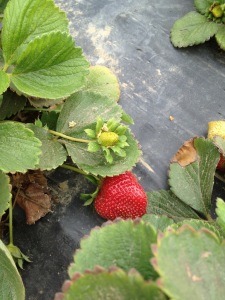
(175, 251)
(53, 105)
(199, 26)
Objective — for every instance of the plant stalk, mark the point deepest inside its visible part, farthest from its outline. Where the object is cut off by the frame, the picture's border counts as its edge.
(77, 170)
(72, 168)
(10, 222)
(70, 138)
(40, 109)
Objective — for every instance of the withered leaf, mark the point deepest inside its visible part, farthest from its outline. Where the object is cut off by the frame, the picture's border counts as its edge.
(32, 194)
(186, 155)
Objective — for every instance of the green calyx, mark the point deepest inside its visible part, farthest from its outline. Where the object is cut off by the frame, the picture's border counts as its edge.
(17, 255)
(109, 137)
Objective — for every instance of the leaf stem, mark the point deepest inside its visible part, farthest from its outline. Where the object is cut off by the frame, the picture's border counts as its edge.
(209, 218)
(68, 137)
(40, 109)
(10, 222)
(73, 169)
(5, 67)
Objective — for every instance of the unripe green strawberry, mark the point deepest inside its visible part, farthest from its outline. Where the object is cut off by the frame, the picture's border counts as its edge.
(217, 128)
(217, 11)
(108, 139)
(121, 196)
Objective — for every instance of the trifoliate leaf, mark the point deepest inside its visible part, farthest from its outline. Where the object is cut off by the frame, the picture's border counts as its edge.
(96, 164)
(4, 81)
(166, 203)
(159, 222)
(112, 284)
(192, 29)
(25, 20)
(85, 108)
(5, 193)
(193, 183)
(11, 104)
(190, 264)
(202, 6)
(109, 249)
(11, 285)
(101, 80)
(53, 154)
(220, 210)
(20, 149)
(50, 67)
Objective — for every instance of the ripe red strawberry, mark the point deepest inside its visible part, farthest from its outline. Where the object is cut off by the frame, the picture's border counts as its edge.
(221, 163)
(121, 196)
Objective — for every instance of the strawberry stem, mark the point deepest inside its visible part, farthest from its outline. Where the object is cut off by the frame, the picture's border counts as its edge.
(77, 170)
(68, 137)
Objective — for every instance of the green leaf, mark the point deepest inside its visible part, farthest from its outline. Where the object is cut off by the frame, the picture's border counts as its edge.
(125, 244)
(192, 29)
(190, 264)
(93, 107)
(49, 119)
(193, 183)
(202, 6)
(101, 80)
(11, 104)
(53, 154)
(159, 222)
(166, 203)
(199, 224)
(5, 193)
(220, 36)
(95, 163)
(220, 210)
(113, 284)
(84, 108)
(40, 102)
(3, 4)
(50, 67)
(25, 20)
(20, 149)
(1, 55)
(4, 81)
(11, 285)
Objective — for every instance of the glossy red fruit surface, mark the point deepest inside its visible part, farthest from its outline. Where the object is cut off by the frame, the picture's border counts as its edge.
(121, 196)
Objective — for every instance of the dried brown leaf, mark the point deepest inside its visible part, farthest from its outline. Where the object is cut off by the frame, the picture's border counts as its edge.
(186, 155)
(31, 194)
